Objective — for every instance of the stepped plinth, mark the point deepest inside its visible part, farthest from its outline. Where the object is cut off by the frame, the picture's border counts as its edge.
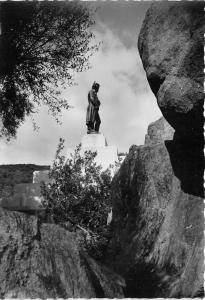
(106, 155)
(94, 140)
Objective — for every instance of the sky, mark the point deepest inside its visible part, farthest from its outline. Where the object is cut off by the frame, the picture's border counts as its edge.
(128, 105)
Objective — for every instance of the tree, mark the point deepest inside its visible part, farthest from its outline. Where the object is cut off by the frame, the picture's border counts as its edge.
(79, 191)
(41, 46)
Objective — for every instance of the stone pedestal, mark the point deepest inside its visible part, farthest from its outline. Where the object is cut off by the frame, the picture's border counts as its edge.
(106, 155)
(94, 140)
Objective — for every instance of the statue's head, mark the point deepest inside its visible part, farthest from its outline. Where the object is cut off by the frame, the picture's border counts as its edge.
(95, 86)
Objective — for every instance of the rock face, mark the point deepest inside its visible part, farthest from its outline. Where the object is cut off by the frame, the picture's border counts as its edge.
(157, 195)
(157, 245)
(159, 131)
(39, 260)
(171, 48)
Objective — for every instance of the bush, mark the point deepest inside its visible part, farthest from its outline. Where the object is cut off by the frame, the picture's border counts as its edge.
(79, 191)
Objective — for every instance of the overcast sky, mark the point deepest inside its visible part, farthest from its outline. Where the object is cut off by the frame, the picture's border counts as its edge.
(127, 103)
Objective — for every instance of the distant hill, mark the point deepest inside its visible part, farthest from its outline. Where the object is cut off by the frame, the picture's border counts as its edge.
(20, 173)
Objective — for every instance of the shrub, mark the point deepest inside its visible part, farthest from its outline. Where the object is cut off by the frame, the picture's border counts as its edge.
(79, 191)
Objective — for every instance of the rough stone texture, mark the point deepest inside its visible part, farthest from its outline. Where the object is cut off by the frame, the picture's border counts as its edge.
(171, 48)
(157, 243)
(159, 131)
(39, 260)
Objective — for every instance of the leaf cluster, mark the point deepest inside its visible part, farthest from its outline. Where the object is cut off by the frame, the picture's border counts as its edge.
(79, 191)
(41, 46)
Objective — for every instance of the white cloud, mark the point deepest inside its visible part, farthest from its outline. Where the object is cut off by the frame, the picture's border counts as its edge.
(127, 106)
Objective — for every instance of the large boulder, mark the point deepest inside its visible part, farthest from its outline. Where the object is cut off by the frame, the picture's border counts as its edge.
(171, 45)
(157, 243)
(39, 260)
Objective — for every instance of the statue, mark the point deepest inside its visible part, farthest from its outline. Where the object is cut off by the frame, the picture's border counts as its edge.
(92, 118)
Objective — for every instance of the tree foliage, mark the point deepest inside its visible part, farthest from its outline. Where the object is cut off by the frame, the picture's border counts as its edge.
(41, 46)
(79, 191)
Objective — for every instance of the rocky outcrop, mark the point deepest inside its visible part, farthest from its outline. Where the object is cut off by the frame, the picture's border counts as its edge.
(157, 195)
(157, 244)
(159, 131)
(171, 45)
(39, 260)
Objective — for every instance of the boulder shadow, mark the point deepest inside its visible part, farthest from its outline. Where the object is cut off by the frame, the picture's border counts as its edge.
(187, 161)
(143, 281)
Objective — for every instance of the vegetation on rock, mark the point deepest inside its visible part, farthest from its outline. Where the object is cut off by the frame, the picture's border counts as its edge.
(79, 195)
(79, 191)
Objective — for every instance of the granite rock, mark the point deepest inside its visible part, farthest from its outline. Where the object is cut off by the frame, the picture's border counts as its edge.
(157, 202)
(171, 45)
(39, 260)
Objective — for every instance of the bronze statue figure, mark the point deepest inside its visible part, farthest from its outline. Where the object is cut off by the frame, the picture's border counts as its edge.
(92, 118)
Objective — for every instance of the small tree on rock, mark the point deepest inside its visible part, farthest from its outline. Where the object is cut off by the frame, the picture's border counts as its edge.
(80, 190)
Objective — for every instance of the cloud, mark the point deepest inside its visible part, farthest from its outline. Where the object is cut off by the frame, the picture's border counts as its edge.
(127, 105)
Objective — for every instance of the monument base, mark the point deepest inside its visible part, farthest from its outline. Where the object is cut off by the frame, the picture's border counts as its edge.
(96, 142)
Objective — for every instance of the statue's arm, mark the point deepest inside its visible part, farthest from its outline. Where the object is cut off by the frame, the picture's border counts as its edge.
(92, 98)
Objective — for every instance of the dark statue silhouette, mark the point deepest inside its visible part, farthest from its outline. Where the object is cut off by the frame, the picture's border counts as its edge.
(92, 117)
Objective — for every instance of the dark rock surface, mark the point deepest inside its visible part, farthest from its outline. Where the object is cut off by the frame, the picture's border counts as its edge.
(171, 48)
(39, 260)
(158, 131)
(157, 244)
